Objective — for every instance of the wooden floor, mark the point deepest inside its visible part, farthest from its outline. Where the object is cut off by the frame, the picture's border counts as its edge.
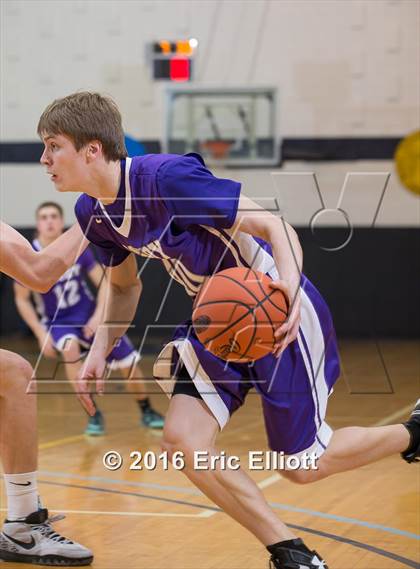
(365, 519)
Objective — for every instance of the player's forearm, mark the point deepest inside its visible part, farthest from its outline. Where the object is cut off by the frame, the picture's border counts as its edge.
(39, 270)
(287, 251)
(30, 317)
(53, 261)
(120, 309)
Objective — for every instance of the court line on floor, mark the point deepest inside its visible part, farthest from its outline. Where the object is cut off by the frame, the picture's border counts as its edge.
(344, 519)
(277, 506)
(391, 418)
(150, 485)
(59, 442)
(385, 421)
(134, 514)
(269, 481)
(334, 517)
(83, 437)
(360, 545)
(403, 560)
(136, 494)
(261, 485)
(120, 482)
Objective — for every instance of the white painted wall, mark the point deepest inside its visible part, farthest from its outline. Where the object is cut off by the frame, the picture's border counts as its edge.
(25, 186)
(342, 67)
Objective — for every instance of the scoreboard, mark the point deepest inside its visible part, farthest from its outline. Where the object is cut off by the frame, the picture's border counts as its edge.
(172, 60)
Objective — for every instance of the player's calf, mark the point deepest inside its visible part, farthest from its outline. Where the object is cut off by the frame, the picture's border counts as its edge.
(302, 476)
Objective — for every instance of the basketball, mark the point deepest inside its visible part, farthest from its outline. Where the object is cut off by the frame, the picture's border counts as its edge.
(236, 314)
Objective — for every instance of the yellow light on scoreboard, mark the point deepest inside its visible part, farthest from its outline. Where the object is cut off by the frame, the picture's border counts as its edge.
(183, 47)
(165, 46)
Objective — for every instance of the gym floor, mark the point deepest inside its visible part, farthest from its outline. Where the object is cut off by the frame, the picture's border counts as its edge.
(364, 519)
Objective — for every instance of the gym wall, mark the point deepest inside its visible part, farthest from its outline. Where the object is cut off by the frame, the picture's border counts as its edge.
(352, 72)
(351, 76)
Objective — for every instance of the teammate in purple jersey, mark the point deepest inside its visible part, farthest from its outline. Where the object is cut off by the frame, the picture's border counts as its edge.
(68, 317)
(172, 208)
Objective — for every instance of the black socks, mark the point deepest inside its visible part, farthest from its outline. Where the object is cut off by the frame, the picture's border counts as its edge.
(413, 427)
(144, 405)
(288, 544)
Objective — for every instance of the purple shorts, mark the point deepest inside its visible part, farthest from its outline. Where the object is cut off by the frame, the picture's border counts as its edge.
(123, 355)
(294, 389)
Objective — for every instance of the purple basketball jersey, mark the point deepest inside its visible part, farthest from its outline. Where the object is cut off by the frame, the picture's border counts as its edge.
(172, 208)
(69, 300)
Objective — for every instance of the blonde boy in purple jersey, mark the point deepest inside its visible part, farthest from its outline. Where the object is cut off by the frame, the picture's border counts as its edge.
(69, 317)
(172, 208)
(27, 535)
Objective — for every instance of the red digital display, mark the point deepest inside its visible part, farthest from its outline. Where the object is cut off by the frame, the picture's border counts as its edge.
(179, 69)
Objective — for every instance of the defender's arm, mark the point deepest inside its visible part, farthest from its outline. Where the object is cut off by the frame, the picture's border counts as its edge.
(39, 270)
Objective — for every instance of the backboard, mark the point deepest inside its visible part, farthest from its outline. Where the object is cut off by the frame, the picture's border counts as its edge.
(229, 126)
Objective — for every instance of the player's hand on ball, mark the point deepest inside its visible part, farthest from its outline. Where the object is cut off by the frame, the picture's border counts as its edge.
(288, 331)
(92, 371)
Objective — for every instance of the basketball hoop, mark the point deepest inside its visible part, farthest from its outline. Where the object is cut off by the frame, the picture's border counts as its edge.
(218, 149)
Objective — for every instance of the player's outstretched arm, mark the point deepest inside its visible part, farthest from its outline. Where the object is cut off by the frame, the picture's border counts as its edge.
(39, 270)
(123, 289)
(288, 256)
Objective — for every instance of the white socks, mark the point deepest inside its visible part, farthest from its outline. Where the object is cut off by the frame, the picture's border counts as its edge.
(22, 494)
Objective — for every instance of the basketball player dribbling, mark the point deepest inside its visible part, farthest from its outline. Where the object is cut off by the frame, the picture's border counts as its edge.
(172, 208)
(27, 534)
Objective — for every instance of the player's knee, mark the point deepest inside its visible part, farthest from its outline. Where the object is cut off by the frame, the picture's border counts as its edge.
(170, 436)
(16, 372)
(14, 365)
(178, 440)
(173, 440)
(25, 369)
(71, 351)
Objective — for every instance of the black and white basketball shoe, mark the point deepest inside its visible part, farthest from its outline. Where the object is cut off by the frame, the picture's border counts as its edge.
(33, 540)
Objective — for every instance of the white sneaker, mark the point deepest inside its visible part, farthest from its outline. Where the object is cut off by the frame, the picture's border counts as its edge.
(33, 540)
